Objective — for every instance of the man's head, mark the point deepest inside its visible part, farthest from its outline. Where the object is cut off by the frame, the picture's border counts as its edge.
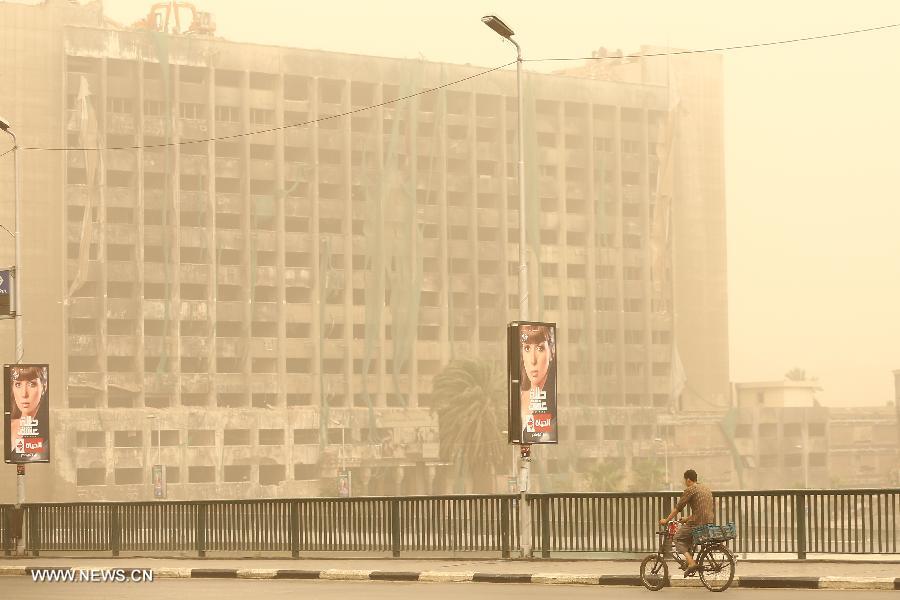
(690, 477)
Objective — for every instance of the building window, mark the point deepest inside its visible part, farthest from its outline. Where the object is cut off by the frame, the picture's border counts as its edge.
(95, 476)
(129, 476)
(191, 110)
(119, 105)
(201, 474)
(237, 473)
(262, 116)
(228, 114)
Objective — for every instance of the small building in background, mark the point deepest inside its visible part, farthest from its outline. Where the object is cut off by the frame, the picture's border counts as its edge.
(783, 438)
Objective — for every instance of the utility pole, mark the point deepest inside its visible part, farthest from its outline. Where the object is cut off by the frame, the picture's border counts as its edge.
(5, 126)
(503, 30)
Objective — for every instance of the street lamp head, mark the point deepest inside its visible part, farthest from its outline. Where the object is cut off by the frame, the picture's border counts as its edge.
(498, 26)
(4, 123)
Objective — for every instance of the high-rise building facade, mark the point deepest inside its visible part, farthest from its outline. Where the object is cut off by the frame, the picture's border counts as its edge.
(272, 258)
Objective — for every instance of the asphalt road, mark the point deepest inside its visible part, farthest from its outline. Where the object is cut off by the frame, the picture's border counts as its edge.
(23, 587)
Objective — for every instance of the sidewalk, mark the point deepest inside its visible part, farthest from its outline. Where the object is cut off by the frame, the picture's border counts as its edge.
(768, 574)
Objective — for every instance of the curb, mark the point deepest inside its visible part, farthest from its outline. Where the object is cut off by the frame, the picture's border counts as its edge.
(806, 583)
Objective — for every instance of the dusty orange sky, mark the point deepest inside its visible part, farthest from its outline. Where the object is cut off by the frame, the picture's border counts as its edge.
(811, 135)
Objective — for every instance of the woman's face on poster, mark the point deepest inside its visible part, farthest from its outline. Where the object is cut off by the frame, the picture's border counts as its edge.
(27, 395)
(536, 359)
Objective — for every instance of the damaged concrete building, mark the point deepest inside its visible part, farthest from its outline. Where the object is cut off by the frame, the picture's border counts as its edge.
(274, 273)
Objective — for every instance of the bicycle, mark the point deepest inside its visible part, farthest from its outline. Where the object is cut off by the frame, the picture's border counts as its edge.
(715, 563)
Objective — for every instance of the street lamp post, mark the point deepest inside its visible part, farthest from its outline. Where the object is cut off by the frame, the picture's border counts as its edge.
(5, 126)
(158, 451)
(504, 31)
(343, 452)
(805, 462)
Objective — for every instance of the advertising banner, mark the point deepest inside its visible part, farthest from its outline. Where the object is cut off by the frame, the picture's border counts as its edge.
(344, 484)
(26, 413)
(6, 294)
(159, 481)
(532, 358)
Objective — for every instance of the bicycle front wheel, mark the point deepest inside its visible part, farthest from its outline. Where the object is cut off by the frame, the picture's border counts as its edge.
(716, 568)
(654, 572)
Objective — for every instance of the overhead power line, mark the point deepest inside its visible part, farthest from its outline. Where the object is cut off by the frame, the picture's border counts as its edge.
(724, 48)
(456, 82)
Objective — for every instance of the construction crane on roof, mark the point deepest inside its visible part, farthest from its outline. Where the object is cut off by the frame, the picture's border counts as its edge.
(166, 17)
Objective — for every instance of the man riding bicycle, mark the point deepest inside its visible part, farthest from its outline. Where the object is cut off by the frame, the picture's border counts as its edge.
(700, 500)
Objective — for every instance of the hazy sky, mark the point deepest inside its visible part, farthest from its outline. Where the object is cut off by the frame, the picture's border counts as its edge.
(811, 135)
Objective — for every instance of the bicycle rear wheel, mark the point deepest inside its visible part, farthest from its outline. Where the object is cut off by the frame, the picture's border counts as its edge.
(654, 572)
(716, 568)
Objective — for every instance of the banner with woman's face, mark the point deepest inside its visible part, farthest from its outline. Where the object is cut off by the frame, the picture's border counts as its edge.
(532, 358)
(26, 413)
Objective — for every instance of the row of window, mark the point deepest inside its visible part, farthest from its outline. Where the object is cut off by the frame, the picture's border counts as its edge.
(199, 438)
(770, 430)
(330, 366)
(335, 296)
(359, 400)
(267, 474)
(238, 400)
(335, 331)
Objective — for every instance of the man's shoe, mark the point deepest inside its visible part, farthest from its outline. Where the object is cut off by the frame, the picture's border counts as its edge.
(690, 571)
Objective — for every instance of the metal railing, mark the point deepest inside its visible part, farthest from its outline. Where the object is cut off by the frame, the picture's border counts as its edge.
(378, 524)
(862, 521)
(865, 521)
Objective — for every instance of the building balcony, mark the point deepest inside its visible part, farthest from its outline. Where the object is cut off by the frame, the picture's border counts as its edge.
(264, 347)
(262, 169)
(122, 308)
(230, 311)
(194, 310)
(192, 164)
(121, 196)
(154, 126)
(229, 203)
(193, 129)
(299, 137)
(297, 277)
(230, 274)
(194, 346)
(298, 348)
(159, 383)
(263, 240)
(155, 345)
(83, 345)
(195, 383)
(298, 313)
(155, 309)
(264, 311)
(230, 347)
(126, 381)
(230, 239)
(229, 167)
(194, 273)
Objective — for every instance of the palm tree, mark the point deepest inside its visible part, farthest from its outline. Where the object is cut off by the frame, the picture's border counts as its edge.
(470, 399)
(647, 476)
(607, 476)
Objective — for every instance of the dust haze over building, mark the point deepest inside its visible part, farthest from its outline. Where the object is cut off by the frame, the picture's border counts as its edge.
(280, 302)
